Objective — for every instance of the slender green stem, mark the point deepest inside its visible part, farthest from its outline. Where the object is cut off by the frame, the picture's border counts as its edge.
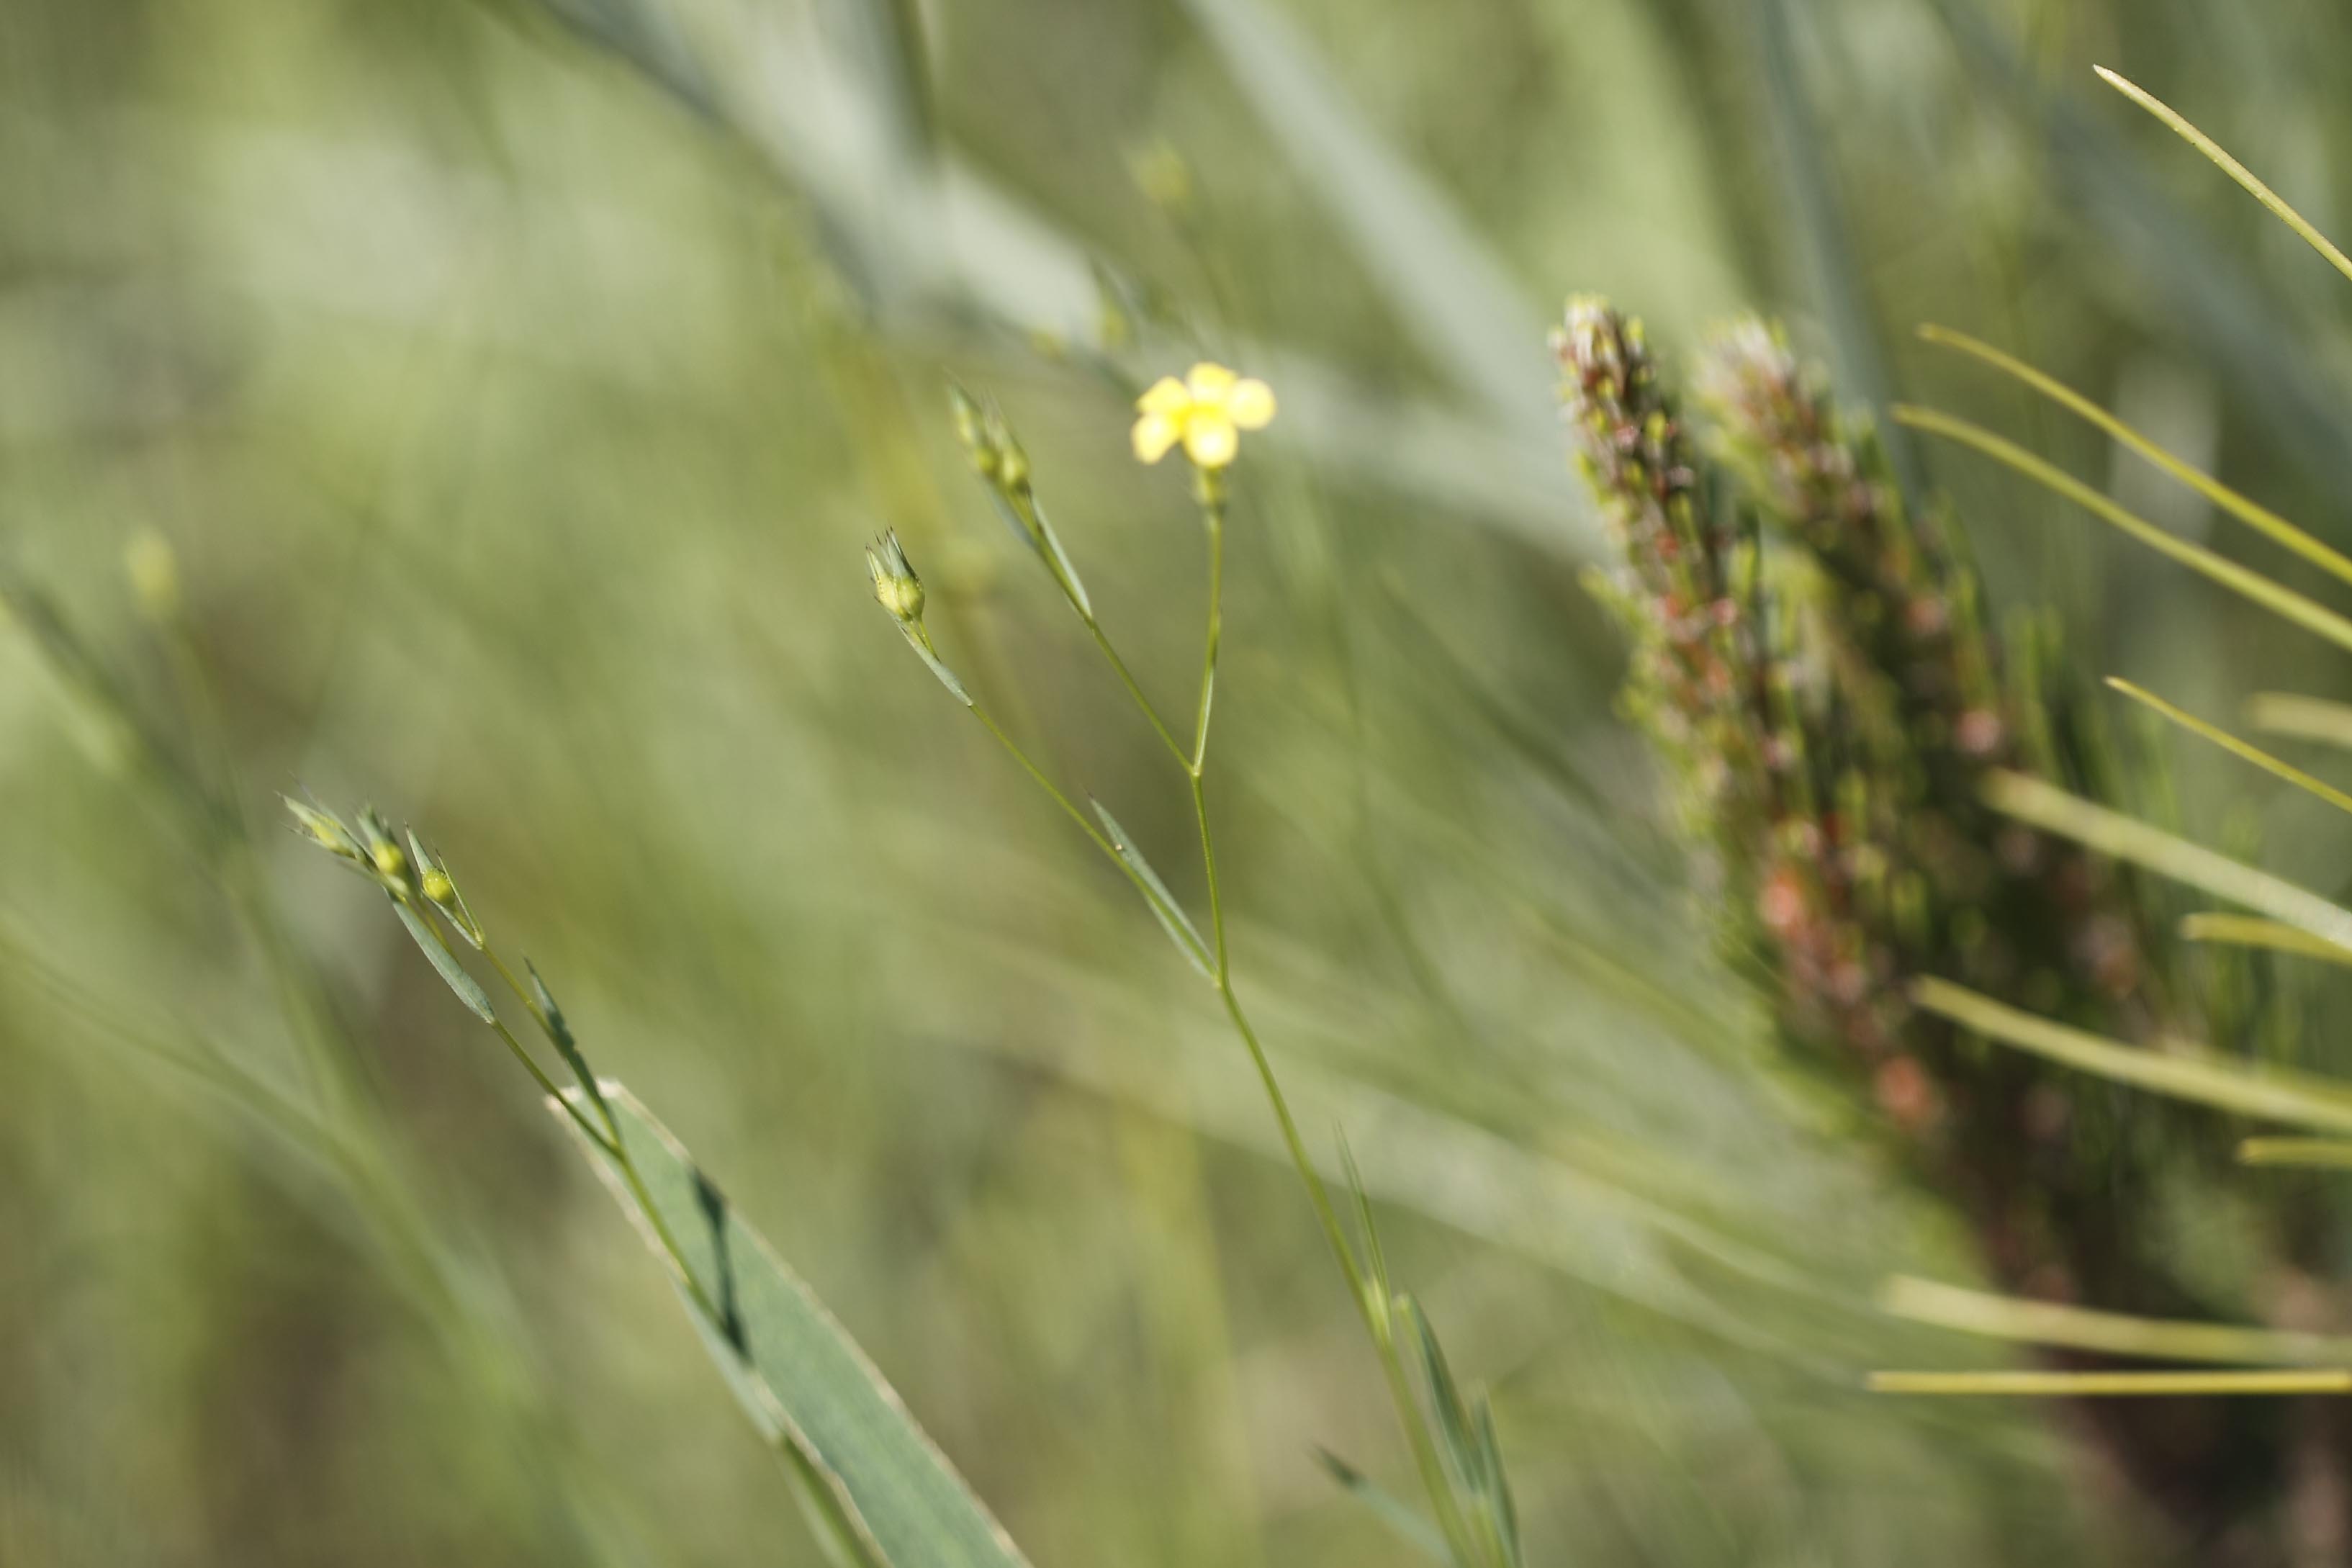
(1101, 840)
(614, 1146)
(1118, 666)
(1375, 1315)
(1374, 1310)
(1212, 515)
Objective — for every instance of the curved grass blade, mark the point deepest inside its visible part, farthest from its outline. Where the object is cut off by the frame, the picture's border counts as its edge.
(2285, 603)
(1172, 918)
(2302, 1153)
(2254, 514)
(881, 1487)
(2230, 166)
(2268, 1093)
(2253, 931)
(2108, 1333)
(2112, 833)
(2111, 1385)
(2234, 746)
(2303, 717)
(2200, 293)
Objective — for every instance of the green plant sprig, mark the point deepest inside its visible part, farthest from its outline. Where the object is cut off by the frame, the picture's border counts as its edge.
(425, 897)
(1204, 414)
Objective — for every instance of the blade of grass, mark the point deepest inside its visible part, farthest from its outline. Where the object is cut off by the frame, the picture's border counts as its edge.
(2112, 833)
(2110, 1334)
(2268, 1093)
(2283, 602)
(2304, 718)
(2253, 931)
(2234, 746)
(2230, 166)
(2311, 1153)
(2199, 294)
(2111, 1385)
(804, 1383)
(2250, 512)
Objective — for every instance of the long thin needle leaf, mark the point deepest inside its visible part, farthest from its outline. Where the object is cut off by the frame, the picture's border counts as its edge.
(2234, 746)
(2253, 931)
(2304, 718)
(2270, 1093)
(2110, 1334)
(2251, 513)
(2290, 605)
(2230, 166)
(2112, 833)
(2313, 1153)
(2046, 1385)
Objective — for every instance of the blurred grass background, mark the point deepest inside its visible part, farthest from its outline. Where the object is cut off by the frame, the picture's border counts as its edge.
(516, 385)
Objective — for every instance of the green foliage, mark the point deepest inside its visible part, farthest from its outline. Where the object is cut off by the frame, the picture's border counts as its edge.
(797, 1373)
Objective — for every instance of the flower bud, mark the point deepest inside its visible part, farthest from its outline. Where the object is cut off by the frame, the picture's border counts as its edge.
(896, 587)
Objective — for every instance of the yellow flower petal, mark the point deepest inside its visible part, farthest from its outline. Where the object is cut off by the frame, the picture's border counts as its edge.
(1154, 434)
(1167, 398)
(1208, 382)
(1250, 404)
(1211, 440)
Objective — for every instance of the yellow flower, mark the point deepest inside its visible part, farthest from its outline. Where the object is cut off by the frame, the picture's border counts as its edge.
(1206, 410)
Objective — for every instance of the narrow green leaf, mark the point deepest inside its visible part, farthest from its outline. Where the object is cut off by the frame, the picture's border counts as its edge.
(2283, 602)
(2108, 1333)
(2253, 931)
(2303, 717)
(1172, 918)
(2252, 514)
(1444, 1398)
(1500, 1504)
(2198, 293)
(804, 1382)
(469, 989)
(2270, 1093)
(2310, 1153)
(558, 1030)
(2112, 833)
(2234, 746)
(2109, 1385)
(1375, 1258)
(1390, 1510)
(2230, 166)
(947, 677)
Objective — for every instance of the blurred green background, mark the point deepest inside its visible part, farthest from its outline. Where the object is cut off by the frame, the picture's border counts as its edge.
(516, 385)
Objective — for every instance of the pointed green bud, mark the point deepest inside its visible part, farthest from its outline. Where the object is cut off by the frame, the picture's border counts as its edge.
(325, 829)
(971, 430)
(441, 888)
(385, 854)
(896, 587)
